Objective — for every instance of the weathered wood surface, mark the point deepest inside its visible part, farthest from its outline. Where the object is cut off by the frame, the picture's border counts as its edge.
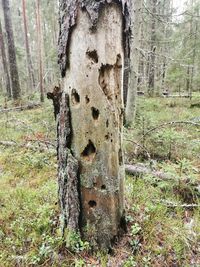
(68, 16)
(140, 170)
(92, 48)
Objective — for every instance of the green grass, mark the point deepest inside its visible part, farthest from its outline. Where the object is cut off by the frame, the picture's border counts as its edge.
(158, 235)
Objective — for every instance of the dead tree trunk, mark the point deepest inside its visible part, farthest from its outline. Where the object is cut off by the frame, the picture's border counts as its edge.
(134, 61)
(16, 91)
(5, 64)
(91, 57)
(31, 81)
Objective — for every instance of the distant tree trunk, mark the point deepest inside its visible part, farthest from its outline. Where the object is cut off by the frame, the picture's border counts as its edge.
(5, 64)
(134, 61)
(16, 91)
(188, 81)
(152, 56)
(40, 53)
(91, 168)
(31, 77)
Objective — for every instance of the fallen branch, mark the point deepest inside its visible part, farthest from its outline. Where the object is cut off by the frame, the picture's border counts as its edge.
(175, 205)
(8, 143)
(21, 108)
(140, 169)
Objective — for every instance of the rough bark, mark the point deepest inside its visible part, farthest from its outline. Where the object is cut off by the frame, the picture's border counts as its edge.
(31, 77)
(67, 171)
(16, 91)
(134, 61)
(5, 65)
(91, 57)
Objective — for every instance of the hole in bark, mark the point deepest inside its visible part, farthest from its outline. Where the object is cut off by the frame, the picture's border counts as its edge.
(93, 55)
(104, 79)
(87, 100)
(107, 136)
(75, 97)
(111, 140)
(89, 152)
(95, 113)
(92, 203)
(107, 123)
(103, 187)
(120, 157)
(119, 61)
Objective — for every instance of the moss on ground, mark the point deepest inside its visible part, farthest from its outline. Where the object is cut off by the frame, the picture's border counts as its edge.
(159, 234)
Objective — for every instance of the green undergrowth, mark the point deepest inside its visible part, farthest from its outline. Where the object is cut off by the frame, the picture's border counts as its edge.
(162, 229)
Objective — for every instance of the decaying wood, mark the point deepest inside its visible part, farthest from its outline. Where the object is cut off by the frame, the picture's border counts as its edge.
(93, 46)
(67, 170)
(21, 108)
(171, 204)
(8, 143)
(140, 169)
(176, 96)
(68, 18)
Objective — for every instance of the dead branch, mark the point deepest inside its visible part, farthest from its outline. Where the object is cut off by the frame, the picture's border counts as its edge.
(8, 143)
(21, 108)
(140, 169)
(175, 205)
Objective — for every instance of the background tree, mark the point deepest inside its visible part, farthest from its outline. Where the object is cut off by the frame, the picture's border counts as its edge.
(16, 91)
(31, 78)
(135, 15)
(5, 64)
(40, 50)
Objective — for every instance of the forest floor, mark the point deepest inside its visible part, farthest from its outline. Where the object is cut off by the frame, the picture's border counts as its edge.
(163, 215)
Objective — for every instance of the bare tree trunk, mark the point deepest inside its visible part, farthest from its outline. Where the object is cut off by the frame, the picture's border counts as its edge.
(134, 61)
(16, 91)
(5, 65)
(152, 57)
(91, 57)
(40, 52)
(28, 53)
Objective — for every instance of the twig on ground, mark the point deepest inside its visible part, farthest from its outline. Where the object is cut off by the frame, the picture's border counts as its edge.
(173, 204)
